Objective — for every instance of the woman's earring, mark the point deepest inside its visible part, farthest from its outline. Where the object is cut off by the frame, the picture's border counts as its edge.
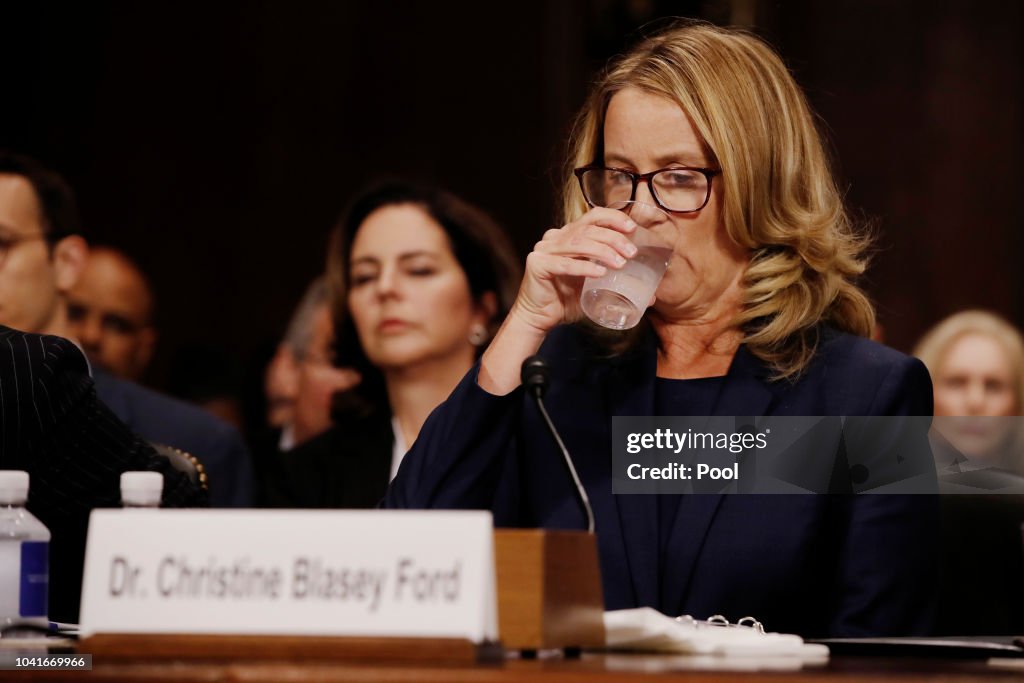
(478, 335)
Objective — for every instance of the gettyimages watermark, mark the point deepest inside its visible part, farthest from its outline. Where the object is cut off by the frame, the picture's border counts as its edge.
(793, 455)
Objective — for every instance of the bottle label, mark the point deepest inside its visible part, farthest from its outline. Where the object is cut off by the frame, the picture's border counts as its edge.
(10, 579)
(35, 578)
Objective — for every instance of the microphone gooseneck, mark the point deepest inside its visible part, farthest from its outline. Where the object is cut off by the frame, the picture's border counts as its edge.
(536, 375)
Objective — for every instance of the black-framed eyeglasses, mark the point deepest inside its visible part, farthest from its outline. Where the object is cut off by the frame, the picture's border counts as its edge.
(679, 189)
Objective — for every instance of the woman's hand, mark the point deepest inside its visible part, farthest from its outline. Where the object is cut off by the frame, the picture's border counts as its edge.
(555, 269)
(550, 292)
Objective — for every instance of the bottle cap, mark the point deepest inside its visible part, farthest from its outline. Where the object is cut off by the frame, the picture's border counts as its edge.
(142, 488)
(13, 487)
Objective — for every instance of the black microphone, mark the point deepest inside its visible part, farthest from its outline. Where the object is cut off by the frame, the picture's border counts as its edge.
(536, 375)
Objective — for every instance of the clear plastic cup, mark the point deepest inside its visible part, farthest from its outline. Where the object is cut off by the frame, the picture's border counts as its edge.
(618, 299)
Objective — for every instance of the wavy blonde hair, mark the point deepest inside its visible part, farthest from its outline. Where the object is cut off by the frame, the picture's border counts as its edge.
(780, 200)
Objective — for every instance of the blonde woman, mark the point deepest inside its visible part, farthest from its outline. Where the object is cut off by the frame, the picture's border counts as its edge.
(758, 314)
(976, 360)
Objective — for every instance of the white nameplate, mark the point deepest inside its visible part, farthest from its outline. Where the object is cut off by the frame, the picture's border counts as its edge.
(295, 572)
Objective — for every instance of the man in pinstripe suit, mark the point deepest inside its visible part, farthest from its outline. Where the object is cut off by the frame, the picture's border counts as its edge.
(43, 255)
(53, 425)
(74, 449)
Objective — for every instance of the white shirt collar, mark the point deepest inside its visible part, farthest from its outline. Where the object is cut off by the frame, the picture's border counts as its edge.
(398, 449)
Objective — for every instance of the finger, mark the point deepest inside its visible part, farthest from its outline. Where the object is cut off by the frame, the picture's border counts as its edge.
(552, 265)
(601, 219)
(607, 218)
(581, 247)
(615, 240)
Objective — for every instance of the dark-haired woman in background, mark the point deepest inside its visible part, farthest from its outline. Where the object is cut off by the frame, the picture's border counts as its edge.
(420, 280)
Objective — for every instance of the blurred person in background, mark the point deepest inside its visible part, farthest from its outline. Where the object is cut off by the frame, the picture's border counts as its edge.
(976, 360)
(318, 377)
(110, 312)
(45, 255)
(419, 281)
(210, 376)
(280, 384)
(302, 378)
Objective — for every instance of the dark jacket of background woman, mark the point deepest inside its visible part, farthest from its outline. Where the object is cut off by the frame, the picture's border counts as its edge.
(348, 466)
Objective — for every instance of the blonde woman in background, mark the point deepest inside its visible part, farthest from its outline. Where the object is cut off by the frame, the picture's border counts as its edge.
(976, 360)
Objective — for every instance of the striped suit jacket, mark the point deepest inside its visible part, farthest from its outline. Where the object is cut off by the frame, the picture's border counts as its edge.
(73, 448)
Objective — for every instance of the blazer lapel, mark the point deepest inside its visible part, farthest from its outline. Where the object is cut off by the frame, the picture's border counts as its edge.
(745, 392)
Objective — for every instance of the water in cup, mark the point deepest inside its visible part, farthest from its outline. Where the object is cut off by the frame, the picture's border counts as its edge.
(618, 299)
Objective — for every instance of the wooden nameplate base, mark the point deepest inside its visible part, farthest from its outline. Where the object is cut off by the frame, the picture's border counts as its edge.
(549, 597)
(133, 646)
(549, 589)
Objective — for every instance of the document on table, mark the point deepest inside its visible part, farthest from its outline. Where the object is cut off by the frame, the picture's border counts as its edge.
(646, 630)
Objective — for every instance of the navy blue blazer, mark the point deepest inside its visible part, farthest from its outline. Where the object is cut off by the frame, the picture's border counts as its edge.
(818, 565)
(168, 421)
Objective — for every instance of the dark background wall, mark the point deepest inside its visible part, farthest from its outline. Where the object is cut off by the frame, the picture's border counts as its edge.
(922, 101)
(217, 143)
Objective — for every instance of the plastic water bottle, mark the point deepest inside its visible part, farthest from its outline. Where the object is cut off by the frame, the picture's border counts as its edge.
(141, 489)
(24, 556)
